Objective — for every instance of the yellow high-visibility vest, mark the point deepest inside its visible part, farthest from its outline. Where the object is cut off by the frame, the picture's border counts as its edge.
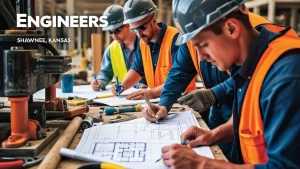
(117, 60)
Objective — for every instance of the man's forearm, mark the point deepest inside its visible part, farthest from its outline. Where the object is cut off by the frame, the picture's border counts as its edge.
(211, 163)
(224, 133)
(131, 79)
(157, 90)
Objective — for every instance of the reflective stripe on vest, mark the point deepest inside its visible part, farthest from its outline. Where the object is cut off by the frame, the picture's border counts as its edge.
(164, 62)
(251, 131)
(117, 60)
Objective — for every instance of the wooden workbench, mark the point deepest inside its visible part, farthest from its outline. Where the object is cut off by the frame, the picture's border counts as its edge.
(68, 163)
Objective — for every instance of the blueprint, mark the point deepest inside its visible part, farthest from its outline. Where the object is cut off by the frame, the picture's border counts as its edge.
(138, 142)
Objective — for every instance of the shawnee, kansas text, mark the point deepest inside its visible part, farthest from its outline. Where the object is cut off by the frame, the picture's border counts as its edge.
(43, 40)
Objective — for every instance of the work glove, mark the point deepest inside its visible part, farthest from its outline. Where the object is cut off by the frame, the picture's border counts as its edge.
(199, 100)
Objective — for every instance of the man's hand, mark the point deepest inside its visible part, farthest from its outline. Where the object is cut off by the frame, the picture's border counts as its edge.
(113, 89)
(178, 156)
(197, 136)
(139, 95)
(199, 100)
(96, 85)
(149, 114)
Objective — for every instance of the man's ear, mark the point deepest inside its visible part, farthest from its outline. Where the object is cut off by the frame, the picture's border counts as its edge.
(232, 28)
(127, 26)
(154, 19)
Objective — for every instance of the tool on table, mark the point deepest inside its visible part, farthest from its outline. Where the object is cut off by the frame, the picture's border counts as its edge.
(151, 107)
(76, 101)
(95, 77)
(117, 110)
(124, 117)
(68, 113)
(182, 143)
(19, 162)
(101, 166)
(53, 158)
(119, 87)
(104, 96)
(87, 157)
(86, 123)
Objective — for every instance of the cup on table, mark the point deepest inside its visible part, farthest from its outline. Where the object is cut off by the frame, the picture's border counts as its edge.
(67, 83)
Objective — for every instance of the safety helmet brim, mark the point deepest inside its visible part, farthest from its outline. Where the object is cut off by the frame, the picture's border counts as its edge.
(184, 38)
(127, 21)
(110, 27)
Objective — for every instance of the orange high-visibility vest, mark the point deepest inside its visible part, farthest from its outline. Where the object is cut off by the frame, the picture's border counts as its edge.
(196, 61)
(251, 130)
(164, 63)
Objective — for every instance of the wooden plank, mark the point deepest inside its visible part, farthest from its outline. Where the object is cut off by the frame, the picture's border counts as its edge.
(52, 159)
(96, 39)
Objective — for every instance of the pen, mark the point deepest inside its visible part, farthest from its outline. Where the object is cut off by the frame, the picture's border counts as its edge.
(119, 87)
(95, 78)
(151, 107)
(182, 143)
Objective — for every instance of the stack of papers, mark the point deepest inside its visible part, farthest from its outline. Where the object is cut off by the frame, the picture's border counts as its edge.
(86, 91)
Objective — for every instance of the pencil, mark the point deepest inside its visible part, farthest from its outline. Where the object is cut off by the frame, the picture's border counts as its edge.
(95, 78)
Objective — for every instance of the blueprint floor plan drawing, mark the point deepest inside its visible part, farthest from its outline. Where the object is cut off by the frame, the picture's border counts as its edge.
(138, 142)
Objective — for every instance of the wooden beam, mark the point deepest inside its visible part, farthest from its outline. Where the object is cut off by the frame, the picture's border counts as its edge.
(160, 11)
(71, 31)
(96, 39)
(169, 16)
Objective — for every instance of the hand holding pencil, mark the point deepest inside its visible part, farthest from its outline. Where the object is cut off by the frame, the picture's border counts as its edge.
(149, 115)
(96, 84)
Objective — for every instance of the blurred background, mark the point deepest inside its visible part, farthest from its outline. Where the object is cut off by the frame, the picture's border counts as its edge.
(87, 44)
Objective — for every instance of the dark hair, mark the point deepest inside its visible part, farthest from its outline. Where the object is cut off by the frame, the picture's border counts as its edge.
(217, 27)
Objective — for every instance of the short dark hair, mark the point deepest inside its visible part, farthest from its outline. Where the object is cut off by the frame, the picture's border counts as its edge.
(217, 27)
